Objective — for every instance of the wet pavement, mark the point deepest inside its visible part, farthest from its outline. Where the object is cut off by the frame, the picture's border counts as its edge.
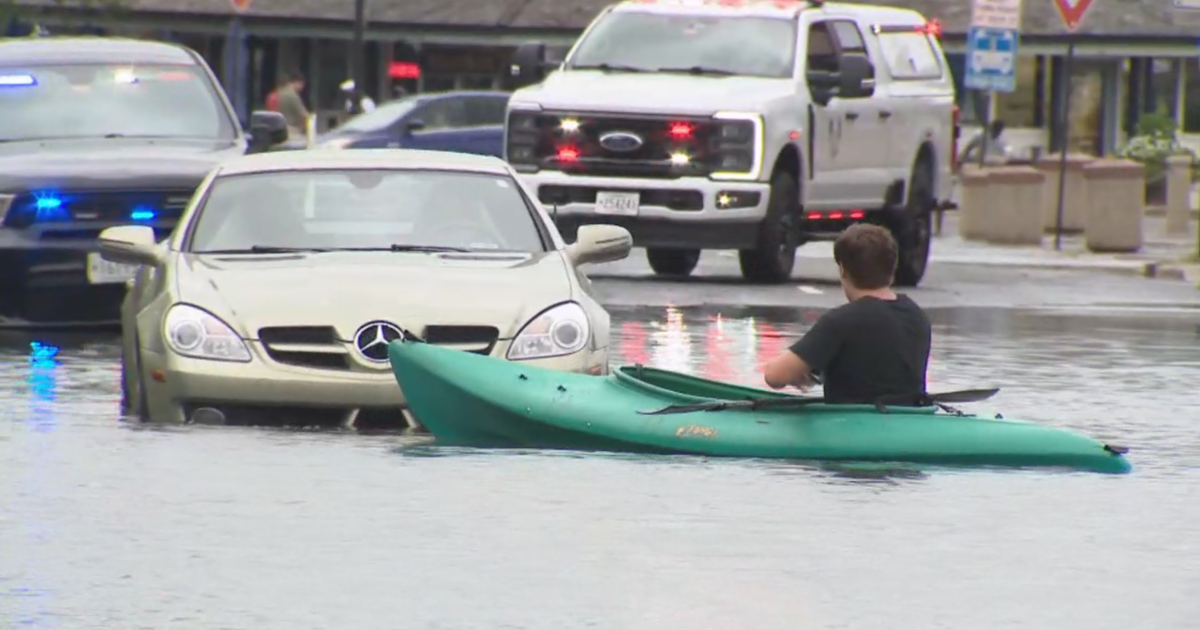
(105, 525)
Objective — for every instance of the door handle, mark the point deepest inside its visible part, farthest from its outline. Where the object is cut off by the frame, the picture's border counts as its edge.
(884, 115)
(851, 115)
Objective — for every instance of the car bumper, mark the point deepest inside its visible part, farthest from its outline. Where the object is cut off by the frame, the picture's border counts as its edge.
(689, 212)
(47, 283)
(262, 392)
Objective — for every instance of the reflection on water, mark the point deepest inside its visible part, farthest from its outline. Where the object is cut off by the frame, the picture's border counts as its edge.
(106, 525)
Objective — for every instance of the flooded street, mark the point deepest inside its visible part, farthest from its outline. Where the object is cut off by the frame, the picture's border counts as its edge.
(106, 525)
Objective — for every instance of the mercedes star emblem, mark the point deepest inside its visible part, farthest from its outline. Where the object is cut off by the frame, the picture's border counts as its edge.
(372, 340)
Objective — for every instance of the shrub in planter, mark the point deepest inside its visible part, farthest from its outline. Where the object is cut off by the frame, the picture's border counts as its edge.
(1155, 142)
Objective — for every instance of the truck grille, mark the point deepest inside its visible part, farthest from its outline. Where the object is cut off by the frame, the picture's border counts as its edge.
(84, 213)
(319, 347)
(610, 145)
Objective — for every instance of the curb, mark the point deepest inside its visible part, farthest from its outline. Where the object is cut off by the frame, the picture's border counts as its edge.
(1153, 269)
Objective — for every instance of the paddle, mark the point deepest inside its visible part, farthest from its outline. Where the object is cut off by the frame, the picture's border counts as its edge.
(754, 404)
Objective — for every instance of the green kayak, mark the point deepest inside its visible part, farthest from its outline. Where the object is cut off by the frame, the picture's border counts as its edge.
(466, 399)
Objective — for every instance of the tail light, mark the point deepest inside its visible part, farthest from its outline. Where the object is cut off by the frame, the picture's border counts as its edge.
(955, 132)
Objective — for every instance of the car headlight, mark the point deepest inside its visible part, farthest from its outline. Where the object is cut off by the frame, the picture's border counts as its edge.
(196, 333)
(556, 331)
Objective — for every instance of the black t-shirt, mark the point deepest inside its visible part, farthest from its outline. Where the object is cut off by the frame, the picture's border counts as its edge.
(869, 348)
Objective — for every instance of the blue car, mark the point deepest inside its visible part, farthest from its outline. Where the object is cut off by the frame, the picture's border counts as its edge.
(461, 121)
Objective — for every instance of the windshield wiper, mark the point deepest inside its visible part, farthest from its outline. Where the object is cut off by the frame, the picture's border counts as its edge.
(267, 249)
(717, 72)
(608, 67)
(426, 248)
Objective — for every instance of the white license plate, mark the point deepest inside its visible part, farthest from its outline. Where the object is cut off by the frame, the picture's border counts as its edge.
(624, 203)
(100, 271)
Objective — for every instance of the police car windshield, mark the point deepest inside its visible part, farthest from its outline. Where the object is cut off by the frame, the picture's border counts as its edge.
(709, 45)
(110, 101)
(365, 210)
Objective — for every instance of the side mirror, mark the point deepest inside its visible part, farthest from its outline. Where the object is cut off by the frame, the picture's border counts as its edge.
(414, 124)
(855, 77)
(528, 64)
(130, 245)
(600, 244)
(267, 128)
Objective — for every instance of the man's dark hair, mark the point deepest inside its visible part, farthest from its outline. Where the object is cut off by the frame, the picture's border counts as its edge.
(291, 76)
(868, 254)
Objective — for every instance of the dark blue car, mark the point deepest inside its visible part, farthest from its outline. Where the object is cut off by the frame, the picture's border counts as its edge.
(462, 121)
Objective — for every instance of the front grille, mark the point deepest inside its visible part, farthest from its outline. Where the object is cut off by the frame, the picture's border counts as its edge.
(251, 415)
(97, 209)
(542, 141)
(305, 346)
(476, 339)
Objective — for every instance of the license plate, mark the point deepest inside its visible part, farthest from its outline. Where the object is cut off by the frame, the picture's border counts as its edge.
(623, 203)
(100, 271)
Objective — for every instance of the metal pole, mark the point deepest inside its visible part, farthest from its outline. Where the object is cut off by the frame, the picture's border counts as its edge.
(1065, 137)
(358, 71)
(987, 122)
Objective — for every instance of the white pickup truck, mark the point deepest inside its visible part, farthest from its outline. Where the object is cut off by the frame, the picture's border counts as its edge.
(740, 124)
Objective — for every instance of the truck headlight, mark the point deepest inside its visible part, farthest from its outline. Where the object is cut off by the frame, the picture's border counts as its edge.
(523, 140)
(557, 331)
(736, 146)
(194, 332)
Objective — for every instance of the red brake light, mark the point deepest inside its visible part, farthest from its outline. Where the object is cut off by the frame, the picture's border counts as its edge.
(814, 216)
(681, 130)
(568, 154)
(836, 215)
(857, 214)
(932, 27)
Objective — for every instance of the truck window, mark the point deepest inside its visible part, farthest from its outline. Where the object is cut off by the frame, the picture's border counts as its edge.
(822, 55)
(486, 110)
(444, 113)
(850, 39)
(910, 56)
(741, 45)
(108, 100)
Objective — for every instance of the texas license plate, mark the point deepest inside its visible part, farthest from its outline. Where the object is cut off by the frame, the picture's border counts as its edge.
(100, 271)
(623, 203)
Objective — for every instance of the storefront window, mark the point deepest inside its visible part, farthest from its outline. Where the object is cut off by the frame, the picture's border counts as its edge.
(1019, 107)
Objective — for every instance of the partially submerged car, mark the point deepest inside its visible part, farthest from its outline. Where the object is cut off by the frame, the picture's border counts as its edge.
(97, 132)
(274, 301)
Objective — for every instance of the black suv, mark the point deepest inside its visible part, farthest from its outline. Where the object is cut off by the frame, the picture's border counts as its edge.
(97, 132)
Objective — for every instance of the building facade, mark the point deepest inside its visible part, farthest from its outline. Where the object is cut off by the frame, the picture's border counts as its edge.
(1131, 58)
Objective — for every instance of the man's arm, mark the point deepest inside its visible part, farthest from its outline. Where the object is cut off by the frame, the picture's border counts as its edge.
(796, 365)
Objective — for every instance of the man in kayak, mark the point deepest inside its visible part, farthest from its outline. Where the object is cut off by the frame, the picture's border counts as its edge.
(875, 345)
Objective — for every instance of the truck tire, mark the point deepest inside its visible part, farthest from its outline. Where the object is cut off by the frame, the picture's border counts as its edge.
(672, 262)
(912, 227)
(774, 256)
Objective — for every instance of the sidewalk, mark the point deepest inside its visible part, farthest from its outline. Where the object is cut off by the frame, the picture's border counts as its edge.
(1162, 256)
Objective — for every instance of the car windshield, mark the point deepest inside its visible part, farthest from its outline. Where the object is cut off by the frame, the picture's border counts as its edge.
(109, 101)
(635, 41)
(398, 209)
(383, 115)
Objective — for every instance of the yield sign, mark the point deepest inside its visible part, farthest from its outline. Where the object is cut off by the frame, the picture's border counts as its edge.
(240, 5)
(1072, 12)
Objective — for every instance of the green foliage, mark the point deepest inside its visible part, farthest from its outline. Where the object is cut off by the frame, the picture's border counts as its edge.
(1156, 140)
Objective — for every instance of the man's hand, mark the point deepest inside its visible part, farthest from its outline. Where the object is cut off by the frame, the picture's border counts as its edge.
(787, 369)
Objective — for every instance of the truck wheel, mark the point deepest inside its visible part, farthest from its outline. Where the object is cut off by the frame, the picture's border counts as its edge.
(672, 262)
(774, 256)
(912, 228)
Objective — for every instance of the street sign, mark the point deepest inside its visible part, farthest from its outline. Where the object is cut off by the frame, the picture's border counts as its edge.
(992, 58)
(240, 6)
(1072, 12)
(996, 14)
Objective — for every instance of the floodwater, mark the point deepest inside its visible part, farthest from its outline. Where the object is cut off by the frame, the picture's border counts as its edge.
(104, 525)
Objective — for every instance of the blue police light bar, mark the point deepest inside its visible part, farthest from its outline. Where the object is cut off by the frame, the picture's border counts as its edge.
(142, 213)
(17, 80)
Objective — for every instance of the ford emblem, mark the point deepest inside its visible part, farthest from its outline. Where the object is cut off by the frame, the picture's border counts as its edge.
(621, 141)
